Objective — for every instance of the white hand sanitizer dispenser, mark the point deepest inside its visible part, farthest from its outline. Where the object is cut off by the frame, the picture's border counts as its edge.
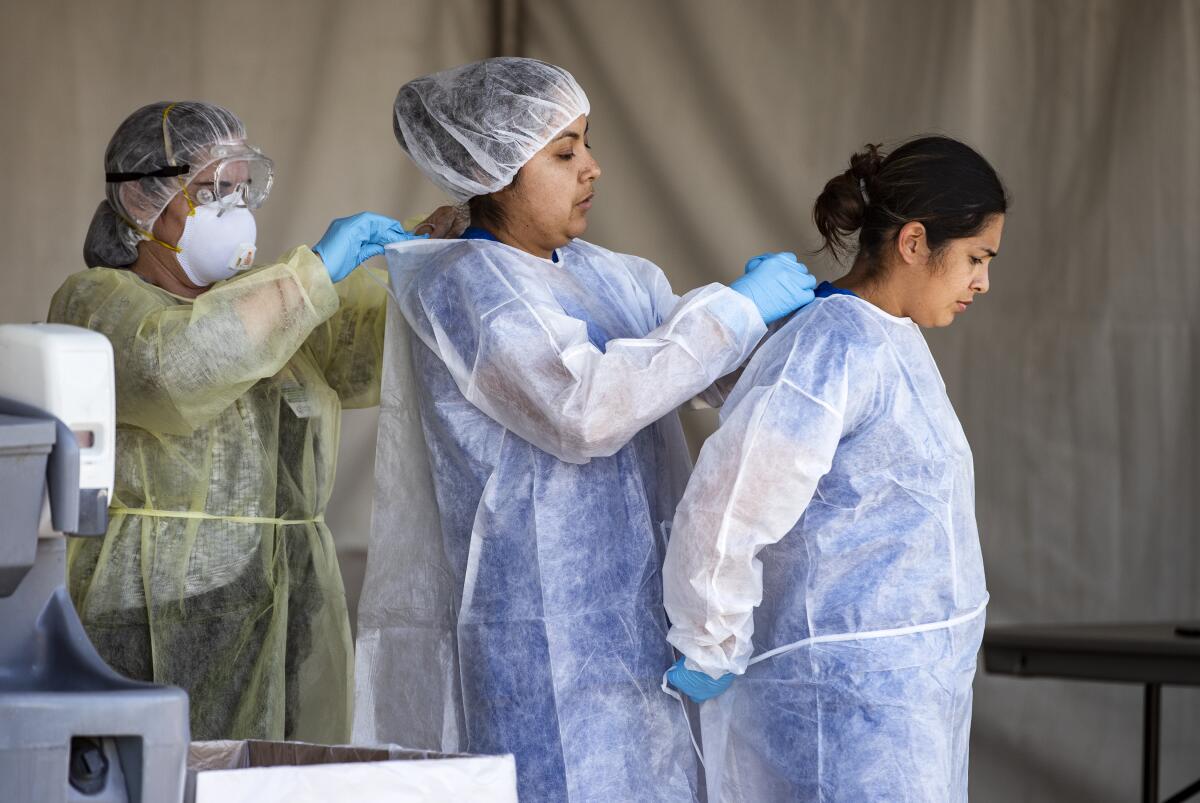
(68, 372)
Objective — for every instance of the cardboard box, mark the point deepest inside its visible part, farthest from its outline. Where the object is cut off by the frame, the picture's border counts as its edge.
(252, 771)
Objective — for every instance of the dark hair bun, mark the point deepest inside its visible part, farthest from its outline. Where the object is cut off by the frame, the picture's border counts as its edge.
(935, 180)
(106, 244)
(841, 207)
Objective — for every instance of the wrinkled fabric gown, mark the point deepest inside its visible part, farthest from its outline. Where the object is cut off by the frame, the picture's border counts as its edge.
(829, 532)
(524, 614)
(218, 573)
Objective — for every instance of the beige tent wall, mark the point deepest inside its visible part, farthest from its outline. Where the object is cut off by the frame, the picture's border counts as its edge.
(314, 82)
(716, 124)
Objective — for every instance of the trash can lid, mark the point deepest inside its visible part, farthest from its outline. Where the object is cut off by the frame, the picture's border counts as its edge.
(20, 433)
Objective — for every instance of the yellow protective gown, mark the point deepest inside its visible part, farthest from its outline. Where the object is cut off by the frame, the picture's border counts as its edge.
(217, 573)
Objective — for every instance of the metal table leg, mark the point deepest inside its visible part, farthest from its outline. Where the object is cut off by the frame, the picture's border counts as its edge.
(1184, 794)
(1152, 716)
(1151, 732)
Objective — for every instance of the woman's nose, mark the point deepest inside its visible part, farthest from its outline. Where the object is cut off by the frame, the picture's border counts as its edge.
(591, 170)
(981, 283)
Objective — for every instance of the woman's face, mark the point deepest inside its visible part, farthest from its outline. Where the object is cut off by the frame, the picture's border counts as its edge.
(546, 206)
(169, 226)
(950, 280)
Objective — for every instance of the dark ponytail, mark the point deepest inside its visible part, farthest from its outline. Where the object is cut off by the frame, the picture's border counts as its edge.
(937, 181)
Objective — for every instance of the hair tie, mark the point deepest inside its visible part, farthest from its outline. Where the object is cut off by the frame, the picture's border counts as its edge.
(862, 188)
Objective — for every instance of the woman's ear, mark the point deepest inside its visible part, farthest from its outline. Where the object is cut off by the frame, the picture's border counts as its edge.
(911, 244)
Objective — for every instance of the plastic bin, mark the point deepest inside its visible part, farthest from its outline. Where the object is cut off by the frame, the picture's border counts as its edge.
(254, 771)
(25, 445)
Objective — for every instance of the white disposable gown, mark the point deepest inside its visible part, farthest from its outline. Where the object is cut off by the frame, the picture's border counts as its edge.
(829, 527)
(523, 613)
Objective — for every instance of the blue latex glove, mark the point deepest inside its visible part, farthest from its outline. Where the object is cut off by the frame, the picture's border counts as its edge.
(754, 262)
(697, 685)
(777, 284)
(351, 241)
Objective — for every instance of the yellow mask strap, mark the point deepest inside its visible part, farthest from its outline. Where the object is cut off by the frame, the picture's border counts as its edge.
(149, 236)
(169, 150)
(187, 197)
(168, 246)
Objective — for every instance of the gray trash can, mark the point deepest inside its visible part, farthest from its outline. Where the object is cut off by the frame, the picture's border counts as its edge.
(71, 729)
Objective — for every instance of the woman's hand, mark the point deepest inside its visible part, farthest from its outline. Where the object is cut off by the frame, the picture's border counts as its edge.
(777, 284)
(351, 241)
(699, 686)
(443, 223)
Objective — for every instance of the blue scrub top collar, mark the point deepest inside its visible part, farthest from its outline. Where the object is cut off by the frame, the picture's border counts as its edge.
(477, 233)
(826, 289)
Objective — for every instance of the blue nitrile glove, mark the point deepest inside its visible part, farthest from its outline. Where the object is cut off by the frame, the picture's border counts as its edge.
(351, 241)
(777, 284)
(754, 262)
(697, 685)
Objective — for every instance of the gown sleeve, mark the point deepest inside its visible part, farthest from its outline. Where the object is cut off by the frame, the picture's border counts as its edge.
(179, 365)
(516, 354)
(349, 345)
(753, 481)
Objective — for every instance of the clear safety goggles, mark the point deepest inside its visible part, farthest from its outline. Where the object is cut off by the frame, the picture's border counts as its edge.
(242, 178)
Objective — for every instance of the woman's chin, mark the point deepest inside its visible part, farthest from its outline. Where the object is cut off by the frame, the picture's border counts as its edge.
(576, 228)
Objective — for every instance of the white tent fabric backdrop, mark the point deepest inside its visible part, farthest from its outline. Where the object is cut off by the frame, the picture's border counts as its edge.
(716, 125)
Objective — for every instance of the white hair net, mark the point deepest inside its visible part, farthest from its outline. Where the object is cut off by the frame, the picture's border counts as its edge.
(471, 128)
(140, 144)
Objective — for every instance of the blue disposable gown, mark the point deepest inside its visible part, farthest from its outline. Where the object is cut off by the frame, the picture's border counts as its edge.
(829, 527)
(525, 615)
